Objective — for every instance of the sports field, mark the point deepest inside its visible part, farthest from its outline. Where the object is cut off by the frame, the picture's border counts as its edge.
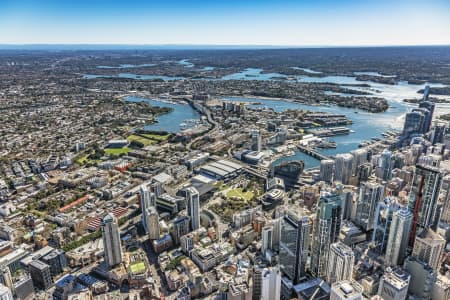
(137, 268)
(117, 151)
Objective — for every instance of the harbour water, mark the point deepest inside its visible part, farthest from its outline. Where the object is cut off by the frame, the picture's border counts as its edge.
(126, 66)
(373, 74)
(169, 122)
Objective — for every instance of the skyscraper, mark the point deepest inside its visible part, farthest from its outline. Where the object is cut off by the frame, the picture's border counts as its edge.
(430, 107)
(326, 170)
(426, 93)
(398, 237)
(359, 158)
(153, 223)
(271, 284)
(438, 132)
(327, 225)
(294, 245)
(146, 203)
(394, 284)
(426, 118)
(266, 238)
(276, 223)
(429, 247)
(343, 167)
(180, 227)
(423, 278)
(370, 193)
(423, 198)
(445, 199)
(340, 263)
(256, 140)
(257, 282)
(111, 240)
(413, 124)
(385, 165)
(382, 224)
(193, 207)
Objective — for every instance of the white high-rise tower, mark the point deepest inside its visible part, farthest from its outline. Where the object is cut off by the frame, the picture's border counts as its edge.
(111, 240)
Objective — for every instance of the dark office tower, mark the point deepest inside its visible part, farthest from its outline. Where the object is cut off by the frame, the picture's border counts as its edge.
(426, 118)
(326, 231)
(383, 220)
(257, 282)
(180, 227)
(193, 207)
(365, 171)
(326, 170)
(370, 193)
(423, 198)
(40, 274)
(56, 260)
(430, 107)
(294, 245)
(413, 123)
(437, 132)
(256, 140)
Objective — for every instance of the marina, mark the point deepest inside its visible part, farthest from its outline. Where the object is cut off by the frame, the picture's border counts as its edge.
(326, 132)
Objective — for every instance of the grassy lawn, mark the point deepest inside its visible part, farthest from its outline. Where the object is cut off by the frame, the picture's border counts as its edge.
(240, 194)
(41, 214)
(156, 137)
(82, 160)
(137, 268)
(141, 139)
(117, 151)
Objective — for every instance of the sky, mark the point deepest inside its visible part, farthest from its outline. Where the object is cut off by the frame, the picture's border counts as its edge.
(231, 22)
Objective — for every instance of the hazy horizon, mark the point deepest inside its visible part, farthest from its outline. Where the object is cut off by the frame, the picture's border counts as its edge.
(82, 46)
(255, 23)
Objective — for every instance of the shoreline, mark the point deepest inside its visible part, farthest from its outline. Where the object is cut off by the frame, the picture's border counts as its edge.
(299, 102)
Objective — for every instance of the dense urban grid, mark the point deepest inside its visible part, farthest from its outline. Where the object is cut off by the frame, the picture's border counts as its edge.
(103, 199)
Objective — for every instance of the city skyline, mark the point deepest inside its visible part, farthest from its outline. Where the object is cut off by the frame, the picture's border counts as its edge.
(253, 23)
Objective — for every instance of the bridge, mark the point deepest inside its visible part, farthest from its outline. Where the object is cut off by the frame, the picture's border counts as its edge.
(257, 173)
(312, 152)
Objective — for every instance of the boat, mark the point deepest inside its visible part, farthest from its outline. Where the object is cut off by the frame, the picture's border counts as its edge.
(356, 112)
(325, 145)
(290, 153)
